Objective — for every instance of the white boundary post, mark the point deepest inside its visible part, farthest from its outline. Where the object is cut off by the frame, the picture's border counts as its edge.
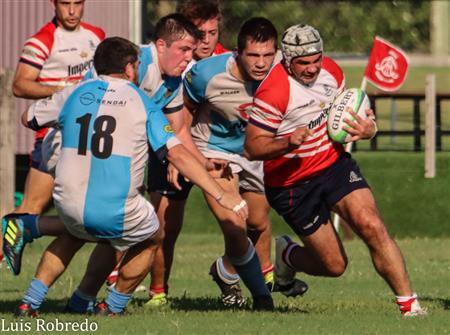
(348, 148)
(430, 126)
(7, 142)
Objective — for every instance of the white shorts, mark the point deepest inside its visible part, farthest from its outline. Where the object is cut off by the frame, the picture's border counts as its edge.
(250, 173)
(143, 227)
(50, 151)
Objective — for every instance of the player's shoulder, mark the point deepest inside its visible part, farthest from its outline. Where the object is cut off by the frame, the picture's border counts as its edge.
(276, 80)
(46, 35)
(96, 30)
(209, 67)
(333, 68)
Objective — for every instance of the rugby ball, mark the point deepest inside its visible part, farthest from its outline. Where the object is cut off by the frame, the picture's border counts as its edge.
(353, 98)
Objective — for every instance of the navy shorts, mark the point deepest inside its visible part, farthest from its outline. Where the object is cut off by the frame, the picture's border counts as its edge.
(157, 180)
(306, 205)
(36, 154)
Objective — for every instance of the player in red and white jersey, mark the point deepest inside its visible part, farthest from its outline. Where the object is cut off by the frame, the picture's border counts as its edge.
(282, 104)
(58, 55)
(307, 175)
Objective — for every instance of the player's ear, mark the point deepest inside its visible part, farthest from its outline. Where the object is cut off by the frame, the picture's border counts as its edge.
(160, 45)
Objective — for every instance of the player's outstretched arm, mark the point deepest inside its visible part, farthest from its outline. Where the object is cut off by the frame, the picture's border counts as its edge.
(261, 144)
(191, 168)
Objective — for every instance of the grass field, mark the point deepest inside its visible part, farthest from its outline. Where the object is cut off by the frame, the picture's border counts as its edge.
(416, 211)
(357, 303)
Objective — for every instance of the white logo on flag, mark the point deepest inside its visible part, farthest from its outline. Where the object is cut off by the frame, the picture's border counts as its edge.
(386, 70)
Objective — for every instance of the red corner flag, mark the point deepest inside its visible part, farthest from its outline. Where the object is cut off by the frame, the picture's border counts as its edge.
(387, 65)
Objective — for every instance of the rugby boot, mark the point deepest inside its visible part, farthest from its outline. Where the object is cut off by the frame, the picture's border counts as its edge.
(231, 292)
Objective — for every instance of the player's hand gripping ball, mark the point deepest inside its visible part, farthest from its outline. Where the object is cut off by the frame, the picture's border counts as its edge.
(353, 98)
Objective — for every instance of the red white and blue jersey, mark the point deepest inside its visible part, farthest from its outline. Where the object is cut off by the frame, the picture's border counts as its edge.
(62, 56)
(282, 104)
(106, 124)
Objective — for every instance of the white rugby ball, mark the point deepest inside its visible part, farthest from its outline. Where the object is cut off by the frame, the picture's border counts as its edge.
(354, 98)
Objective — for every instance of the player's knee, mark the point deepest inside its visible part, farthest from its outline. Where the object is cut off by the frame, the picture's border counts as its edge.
(371, 228)
(337, 267)
(260, 224)
(157, 238)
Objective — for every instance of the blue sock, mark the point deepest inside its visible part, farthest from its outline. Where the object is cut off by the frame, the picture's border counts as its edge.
(227, 277)
(249, 269)
(31, 225)
(81, 303)
(35, 294)
(117, 301)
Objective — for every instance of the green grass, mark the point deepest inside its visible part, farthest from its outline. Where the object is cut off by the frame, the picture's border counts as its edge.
(357, 303)
(416, 211)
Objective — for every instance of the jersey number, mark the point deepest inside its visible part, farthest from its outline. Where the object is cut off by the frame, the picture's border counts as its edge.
(101, 141)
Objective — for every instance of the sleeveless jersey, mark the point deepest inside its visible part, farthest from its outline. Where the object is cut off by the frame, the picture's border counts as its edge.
(282, 104)
(106, 125)
(220, 121)
(62, 56)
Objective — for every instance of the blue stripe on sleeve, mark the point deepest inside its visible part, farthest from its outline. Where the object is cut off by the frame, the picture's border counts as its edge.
(159, 130)
(146, 59)
(196, 80)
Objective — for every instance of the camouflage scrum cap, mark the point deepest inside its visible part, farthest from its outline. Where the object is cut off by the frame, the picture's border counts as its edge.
(300, 40)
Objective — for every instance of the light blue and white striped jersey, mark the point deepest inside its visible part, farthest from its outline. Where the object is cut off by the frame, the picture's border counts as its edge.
(166, 92)
(221, 117)
(106, 124)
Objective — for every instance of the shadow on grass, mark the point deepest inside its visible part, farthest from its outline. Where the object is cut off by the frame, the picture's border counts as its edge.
(445, 303)
(8, 308)
(208, 304)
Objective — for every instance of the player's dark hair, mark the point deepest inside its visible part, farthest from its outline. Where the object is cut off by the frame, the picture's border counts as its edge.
(113, 54)
(174, 27)
(256, 29)
(199, 10)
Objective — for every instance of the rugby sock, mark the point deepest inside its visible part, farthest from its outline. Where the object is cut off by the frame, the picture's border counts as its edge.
(229, 278)
(268, 274)
(35, 294)
(117, 301)
(31, 225)
(249, 269)
(287, 253)
(405, 302)
(158, 289)
(81, 303)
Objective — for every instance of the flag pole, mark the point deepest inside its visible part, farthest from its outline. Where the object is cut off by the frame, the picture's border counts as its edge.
(348, 148)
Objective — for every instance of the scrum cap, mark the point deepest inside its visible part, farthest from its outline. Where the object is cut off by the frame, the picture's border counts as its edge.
(300, 40)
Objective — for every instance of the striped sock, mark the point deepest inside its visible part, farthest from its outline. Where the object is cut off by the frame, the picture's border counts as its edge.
(249, 269)
(229, 278)
(117, 301)
(36, 294)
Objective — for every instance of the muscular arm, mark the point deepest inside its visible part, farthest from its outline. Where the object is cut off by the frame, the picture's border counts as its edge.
(25, 83)
(180, 122)
(190, 167)
(261, 144)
